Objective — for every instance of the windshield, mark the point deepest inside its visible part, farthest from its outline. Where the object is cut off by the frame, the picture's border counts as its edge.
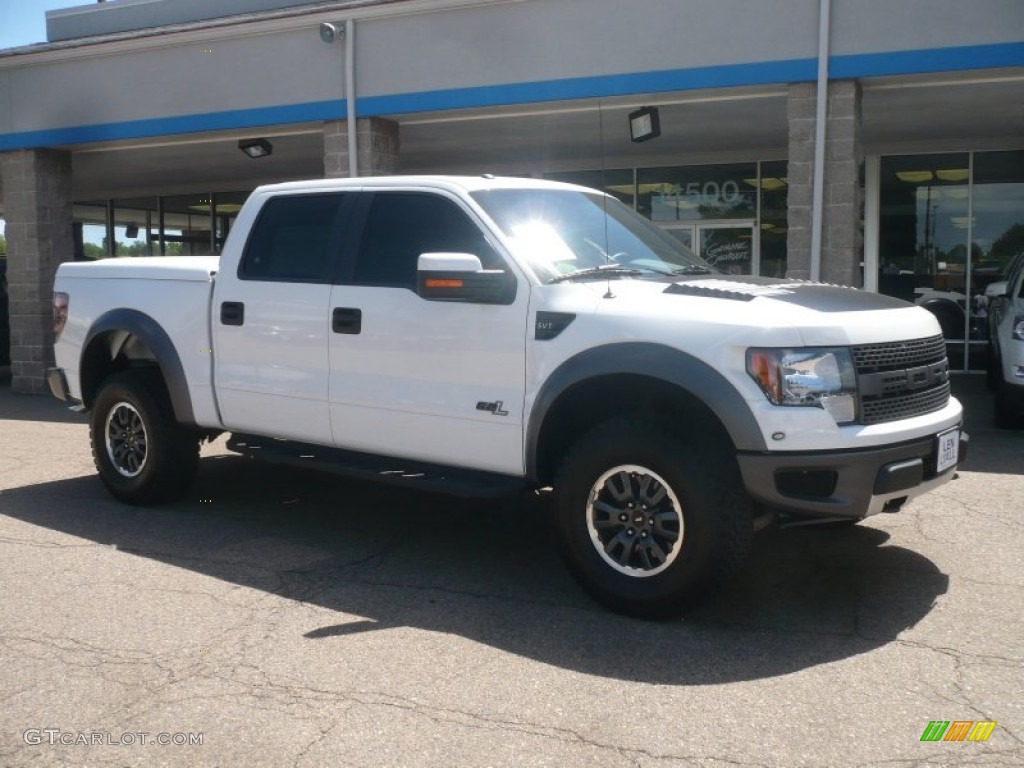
(563, 232)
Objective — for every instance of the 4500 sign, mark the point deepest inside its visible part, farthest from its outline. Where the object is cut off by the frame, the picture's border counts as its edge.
(709, 193)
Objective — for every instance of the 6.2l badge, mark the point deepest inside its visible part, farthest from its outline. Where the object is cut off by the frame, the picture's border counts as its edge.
(495, 407)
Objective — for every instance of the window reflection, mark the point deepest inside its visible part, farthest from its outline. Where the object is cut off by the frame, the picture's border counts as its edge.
(774, 217)
(698, 192)
(90, 231)
(950, 224)
(923, 234)
(617, 182)
(997, 234)
(183, 225)
(712, 208)
(135, 227)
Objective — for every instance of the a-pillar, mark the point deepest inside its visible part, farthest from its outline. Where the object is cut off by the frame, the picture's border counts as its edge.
(842, 238)
(378, 147)
(37, 212)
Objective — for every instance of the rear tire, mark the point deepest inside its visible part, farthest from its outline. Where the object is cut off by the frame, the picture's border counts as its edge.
(649, 526)
(142, 455)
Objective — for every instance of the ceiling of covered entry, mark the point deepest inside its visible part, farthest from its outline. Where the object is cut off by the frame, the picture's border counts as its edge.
(697, 127)
(522, 140)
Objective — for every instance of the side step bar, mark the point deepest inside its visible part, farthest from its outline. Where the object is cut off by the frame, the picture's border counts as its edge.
(381, 469)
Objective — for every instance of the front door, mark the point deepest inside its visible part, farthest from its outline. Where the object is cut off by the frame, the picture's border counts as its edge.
(728, 245)
(434, 381)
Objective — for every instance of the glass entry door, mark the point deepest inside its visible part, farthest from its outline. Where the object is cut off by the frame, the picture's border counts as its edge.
(728, 246)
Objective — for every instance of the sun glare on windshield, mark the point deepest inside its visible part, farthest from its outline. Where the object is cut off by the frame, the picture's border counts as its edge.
(562, 232)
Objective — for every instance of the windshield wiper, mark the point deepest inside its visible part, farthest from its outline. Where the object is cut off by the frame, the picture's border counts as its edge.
(605, 270)
(693, 269)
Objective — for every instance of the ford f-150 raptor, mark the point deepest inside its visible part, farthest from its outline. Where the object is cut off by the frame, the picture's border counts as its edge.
(482, 333)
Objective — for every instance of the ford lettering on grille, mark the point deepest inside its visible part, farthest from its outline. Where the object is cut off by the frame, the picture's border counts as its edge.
(901, 379)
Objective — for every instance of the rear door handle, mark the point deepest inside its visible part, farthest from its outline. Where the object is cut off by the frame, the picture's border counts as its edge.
(347, 320)
(232, 313)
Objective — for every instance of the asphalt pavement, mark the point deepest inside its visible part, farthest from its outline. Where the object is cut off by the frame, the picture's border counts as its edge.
(277, 617)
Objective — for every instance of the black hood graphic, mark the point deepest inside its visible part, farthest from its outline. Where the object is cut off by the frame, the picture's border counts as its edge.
(817, 296)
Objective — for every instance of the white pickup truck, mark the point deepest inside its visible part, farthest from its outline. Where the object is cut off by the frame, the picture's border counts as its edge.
(477, 334)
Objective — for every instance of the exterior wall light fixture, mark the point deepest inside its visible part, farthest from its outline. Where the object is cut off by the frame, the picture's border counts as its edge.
(256, 148)
(331, 32)
(644, 124)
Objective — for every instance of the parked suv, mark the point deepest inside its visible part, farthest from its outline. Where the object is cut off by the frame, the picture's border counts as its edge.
(1006, 345)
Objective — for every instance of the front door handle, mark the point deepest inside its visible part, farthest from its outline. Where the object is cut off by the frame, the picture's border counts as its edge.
(347, 320)
(232, 313)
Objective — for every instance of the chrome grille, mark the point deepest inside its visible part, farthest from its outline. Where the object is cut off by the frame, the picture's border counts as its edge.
(885, 379)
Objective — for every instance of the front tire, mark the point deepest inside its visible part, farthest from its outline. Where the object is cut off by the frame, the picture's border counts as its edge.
(649, 526)
(141, 454)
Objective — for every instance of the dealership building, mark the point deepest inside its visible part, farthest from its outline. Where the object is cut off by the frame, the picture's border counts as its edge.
(873, 143)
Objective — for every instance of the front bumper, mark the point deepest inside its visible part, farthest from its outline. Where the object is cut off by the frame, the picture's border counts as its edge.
(846, 484)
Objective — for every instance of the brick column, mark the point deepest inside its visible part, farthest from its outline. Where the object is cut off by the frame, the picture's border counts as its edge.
(842, 239)
(37, 210)
(378, 147)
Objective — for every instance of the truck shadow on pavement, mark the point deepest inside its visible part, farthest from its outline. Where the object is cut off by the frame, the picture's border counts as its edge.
(490, 572)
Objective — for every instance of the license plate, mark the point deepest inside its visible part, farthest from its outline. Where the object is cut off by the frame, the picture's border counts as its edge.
(948, 451)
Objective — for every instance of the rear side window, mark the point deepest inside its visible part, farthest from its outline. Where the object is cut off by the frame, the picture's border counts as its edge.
(402, 225)
(292, 239)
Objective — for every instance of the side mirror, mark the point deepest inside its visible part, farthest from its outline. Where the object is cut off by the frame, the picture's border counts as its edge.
(994, 290)
(461, 277)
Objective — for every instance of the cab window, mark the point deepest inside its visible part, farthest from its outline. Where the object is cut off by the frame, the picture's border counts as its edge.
(291, 240)
(402, 225)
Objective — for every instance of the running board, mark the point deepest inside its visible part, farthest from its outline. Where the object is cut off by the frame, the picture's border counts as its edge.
(465, 483)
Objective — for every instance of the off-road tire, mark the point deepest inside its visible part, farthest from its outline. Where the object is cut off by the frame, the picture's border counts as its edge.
(142, 455)
(715, 518)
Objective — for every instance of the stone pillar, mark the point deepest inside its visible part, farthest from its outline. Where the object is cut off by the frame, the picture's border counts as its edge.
(842, 239)
(377, 142)
(37, 210)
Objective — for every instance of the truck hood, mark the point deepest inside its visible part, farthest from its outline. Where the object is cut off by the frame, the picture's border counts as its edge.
(819, 297)
(190, 268)
(816, 313)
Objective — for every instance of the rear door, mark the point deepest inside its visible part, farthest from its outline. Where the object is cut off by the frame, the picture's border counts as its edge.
(271, 320)
(438, 381)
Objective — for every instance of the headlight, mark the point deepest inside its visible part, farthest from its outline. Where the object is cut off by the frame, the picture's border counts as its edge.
(816, 377)
(1018, 327)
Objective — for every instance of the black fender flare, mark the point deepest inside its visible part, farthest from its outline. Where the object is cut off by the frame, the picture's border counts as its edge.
(655, 361)
(152, 334)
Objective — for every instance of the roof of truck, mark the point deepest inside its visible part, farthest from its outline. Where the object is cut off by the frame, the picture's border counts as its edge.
(462, 183)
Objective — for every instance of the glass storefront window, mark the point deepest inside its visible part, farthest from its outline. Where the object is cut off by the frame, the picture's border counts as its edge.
(949, 224)
(90, 231)
(226, 206)
(136, 227)
(734, 215)
(774, 186)
(923, 234)
(997, 231)
(617, 182)
(187, 225)
(698, 192)
(730, 249)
